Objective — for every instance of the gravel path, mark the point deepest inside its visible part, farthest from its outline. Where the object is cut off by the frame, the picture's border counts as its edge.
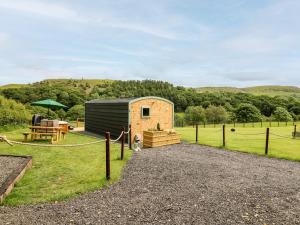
(8, 165)
(182, 184)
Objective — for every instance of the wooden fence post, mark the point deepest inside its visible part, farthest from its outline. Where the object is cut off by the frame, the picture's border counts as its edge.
(197, 133)
(224, 141)
(129, 135)
(107, 136)
(267, 141)
(77, 123)
(122, 143)
(204, 124)
(295, 131)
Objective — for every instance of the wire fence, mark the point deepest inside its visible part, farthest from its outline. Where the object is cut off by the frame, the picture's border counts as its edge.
(245, 125)
(279, 142)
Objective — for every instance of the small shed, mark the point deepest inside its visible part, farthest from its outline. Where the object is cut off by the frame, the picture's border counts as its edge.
(102, 115)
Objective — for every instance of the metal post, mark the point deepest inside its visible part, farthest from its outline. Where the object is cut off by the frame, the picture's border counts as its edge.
(267, 141)
(197, 133)
(129, 135)
(107, 136)
(224, 141)
(122, 143)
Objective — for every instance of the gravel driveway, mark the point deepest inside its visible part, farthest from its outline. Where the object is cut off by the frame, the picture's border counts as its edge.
(182, 184)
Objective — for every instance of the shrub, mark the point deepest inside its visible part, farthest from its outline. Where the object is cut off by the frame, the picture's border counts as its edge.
(281, 114)
(13, 113)
(247, 113)
(77, 111)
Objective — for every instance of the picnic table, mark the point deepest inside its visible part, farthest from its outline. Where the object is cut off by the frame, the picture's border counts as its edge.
(42, 132)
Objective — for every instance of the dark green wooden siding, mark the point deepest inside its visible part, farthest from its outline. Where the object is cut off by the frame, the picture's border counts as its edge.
(102, 117)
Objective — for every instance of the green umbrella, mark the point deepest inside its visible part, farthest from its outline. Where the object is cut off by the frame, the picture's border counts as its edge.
(49, 103)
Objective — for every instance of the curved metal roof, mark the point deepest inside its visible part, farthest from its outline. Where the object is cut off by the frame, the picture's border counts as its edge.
(127, 100)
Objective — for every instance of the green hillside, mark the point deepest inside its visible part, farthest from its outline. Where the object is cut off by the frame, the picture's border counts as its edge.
(271, 90)
(7, 86)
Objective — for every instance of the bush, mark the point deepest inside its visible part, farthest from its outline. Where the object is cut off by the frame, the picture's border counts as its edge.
(281, 114)
(247, 113)
(13, 113)
(77, 111)
(195, 114)
(43, 112)
(216, 114)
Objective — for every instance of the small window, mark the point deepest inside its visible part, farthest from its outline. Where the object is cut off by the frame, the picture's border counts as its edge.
(145, 112)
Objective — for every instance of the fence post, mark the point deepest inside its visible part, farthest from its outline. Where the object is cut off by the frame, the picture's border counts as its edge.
(122, 143)
(295, 130)
(129, 135)
(261, 123)
(197, 133)
(77, 123)
(224, 141)
(234, 124)
(107, 136)
(204, 124)
(267, 141)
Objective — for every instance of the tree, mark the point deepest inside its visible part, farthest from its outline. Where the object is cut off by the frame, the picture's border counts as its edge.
(281, 114)
(194, 114)
(246, 112)
(77, 111)
(216, 114)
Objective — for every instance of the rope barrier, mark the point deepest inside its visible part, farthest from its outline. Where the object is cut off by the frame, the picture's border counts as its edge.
(127, 131)
(118, 137)
(10, 142)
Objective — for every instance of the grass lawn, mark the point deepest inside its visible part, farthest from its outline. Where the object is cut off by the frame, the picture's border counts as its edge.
(59, 172)
(248, 139)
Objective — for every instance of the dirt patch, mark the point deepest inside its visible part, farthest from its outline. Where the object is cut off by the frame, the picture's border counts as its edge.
(182, 184)
(12, 168)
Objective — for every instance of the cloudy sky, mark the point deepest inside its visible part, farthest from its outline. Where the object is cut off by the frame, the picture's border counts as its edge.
(190, 42)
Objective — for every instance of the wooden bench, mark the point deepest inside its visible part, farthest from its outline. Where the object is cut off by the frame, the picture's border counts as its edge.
(53, 135)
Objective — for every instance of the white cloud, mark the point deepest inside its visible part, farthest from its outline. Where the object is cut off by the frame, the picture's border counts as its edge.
(77, 59)
(40, 8)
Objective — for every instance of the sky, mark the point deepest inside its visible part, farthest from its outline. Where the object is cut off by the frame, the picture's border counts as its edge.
(190, 43)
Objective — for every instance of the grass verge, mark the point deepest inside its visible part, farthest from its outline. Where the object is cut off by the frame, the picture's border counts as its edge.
(248, 139)
(59, 172)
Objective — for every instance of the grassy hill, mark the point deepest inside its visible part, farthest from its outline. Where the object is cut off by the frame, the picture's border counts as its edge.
(7, 86)
(274, 90)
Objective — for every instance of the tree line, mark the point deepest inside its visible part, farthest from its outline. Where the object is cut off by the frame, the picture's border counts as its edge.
(74, 93)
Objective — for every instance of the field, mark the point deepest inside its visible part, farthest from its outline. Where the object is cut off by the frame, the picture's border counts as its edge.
(59, 172)
(248, 139)
(284, 91)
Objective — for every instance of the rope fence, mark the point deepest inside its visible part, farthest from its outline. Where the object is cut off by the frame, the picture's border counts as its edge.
(107, 141)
